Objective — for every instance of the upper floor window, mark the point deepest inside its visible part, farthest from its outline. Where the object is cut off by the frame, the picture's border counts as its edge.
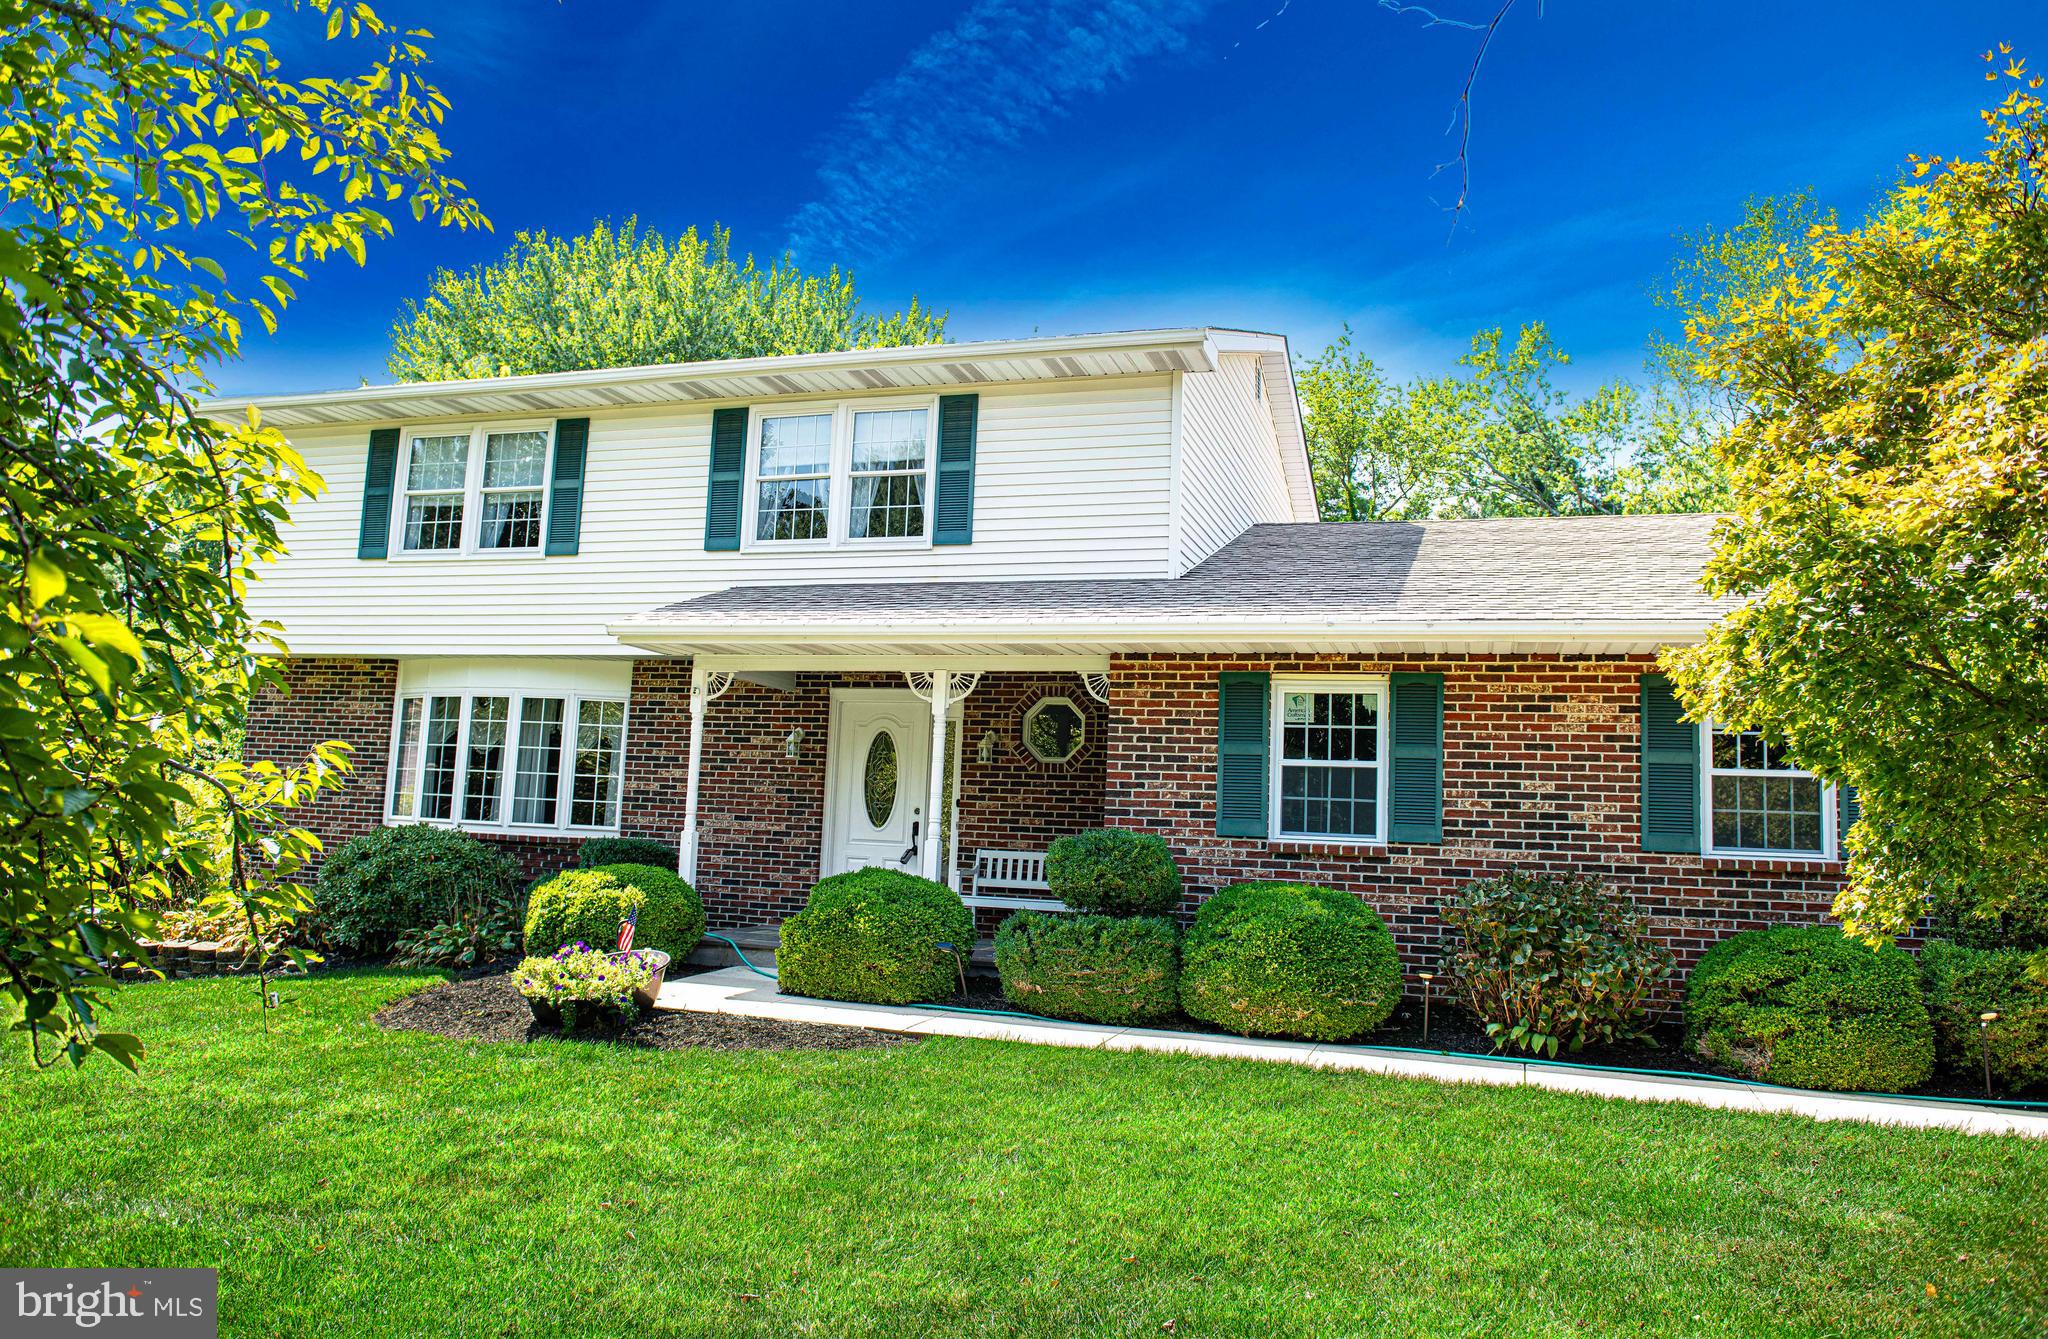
(852, 472)
(508, 761)
(473, 489)
(1761, 802)
(1328, 781)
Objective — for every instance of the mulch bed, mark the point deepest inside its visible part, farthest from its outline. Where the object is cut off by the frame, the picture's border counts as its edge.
(488, 1008)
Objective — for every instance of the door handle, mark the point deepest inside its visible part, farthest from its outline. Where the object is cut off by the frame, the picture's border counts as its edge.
(910, 854)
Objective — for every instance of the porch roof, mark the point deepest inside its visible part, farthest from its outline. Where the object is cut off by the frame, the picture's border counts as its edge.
(1597, 583)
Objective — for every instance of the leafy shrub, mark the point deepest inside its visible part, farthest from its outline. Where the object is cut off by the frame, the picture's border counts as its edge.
(384, 883)
(597, 852)
(1289, 960)
(1805, 1006)
(589, 986)
(1964, 983)
(475, 933)
(873, 936)
(1100, 969)
(1111, 872)
(2022, 923)
(1549, 963)
(671, 917)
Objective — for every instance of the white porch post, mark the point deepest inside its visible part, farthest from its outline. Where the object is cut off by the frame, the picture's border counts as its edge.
(698, 704)
(934, 829)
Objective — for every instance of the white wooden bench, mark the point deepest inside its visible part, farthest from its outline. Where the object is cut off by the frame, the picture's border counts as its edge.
(1008, 878)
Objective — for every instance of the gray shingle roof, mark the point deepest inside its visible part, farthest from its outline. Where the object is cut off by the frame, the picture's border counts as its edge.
(1537, 571)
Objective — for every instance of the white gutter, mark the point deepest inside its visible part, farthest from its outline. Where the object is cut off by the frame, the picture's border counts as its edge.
(648, 631)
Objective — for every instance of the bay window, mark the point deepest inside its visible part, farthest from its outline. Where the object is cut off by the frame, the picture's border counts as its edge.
(485, 746)
(473, 490)
(843, 474)
(1760, 802)
(1328, 781)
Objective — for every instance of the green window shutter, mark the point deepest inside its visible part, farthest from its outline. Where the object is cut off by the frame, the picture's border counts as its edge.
(1852, 811)
(373, 537)
(1417, 783)
(565, 492)
(1241, 703)
(953, 507)
(722, 507)
(1671, 770)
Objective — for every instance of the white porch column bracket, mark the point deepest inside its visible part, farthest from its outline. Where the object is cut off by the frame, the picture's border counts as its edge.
(715, 685)
(921, 683)
(938, 687)
(1097, 686)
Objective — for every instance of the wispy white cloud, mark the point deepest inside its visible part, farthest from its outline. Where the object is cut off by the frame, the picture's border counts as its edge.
(999, 76)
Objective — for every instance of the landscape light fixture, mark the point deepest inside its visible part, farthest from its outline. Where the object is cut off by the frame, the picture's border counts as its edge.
(1984, 1022)
(1427, 977)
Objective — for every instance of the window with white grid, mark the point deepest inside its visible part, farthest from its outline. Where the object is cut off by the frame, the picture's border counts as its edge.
(436, 485)
(1759, 801)
(1328, 742)
(888, 473)
(794, 478)
(515, 468)
(457, 757)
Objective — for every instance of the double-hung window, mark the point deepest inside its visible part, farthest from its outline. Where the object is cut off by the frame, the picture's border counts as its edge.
(1329, 780)
(850, 473)
(507, 761)
(1760, 802)
(473, 490)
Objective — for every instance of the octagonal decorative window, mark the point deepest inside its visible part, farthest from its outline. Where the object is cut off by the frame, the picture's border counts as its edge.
(1054, 730)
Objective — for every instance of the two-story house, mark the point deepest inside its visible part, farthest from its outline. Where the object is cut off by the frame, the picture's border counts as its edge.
(934, 607)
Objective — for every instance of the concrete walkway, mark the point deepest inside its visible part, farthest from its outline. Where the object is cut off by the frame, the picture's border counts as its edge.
(736, 990)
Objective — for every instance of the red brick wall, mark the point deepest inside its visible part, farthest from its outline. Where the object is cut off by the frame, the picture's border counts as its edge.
(1541, 772)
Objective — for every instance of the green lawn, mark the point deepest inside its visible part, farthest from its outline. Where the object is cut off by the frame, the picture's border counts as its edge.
(352, 1181)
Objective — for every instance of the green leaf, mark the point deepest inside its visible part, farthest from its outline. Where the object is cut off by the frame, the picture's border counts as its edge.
(105, 630)
(46, 580)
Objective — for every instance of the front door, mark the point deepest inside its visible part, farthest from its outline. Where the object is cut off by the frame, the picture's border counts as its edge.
(877, 779)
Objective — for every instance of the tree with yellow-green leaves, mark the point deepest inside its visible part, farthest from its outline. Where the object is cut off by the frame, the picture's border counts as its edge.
(1890, 529)
(166, 181)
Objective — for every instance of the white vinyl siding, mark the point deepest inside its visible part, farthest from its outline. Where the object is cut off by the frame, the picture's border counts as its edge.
(1231, 476)
(1072, 481)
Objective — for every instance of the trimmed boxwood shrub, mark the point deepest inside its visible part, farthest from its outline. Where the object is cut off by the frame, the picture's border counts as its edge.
(587, 905)
(1964, 983)
(873, 936)
(1289, 960)
(1111, 872)
(386, 883)
(672, 917)
(1549, 963)
(1808, 1007)
(1099, 969)
(597, 852)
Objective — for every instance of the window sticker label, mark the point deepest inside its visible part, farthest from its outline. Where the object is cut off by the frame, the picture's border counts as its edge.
(1300, 708)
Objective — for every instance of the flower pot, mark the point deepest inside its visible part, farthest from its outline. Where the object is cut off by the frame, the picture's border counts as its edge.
(544, 1012)
(656, 960)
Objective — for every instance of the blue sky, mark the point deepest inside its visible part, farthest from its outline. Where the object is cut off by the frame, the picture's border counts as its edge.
(1050, 166)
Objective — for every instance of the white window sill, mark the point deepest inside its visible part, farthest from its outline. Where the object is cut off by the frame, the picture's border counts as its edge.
(1293, 840)
(1768, 857)
(473, 555)
(500, 829)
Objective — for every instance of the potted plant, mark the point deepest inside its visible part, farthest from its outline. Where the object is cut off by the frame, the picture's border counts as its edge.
(580, 987)
(654, 963)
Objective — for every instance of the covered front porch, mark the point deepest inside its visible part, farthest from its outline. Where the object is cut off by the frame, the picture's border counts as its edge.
(798, 766)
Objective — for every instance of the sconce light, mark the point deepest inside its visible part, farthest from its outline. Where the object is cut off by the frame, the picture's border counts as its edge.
(794, 744)
(985, 750)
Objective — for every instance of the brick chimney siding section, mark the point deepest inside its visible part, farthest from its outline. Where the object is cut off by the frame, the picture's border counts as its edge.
(1541, 772)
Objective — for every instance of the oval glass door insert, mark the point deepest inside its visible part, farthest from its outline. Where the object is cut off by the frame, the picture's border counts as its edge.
(879, 779)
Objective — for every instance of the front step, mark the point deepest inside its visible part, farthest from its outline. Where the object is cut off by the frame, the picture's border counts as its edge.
(760, 942)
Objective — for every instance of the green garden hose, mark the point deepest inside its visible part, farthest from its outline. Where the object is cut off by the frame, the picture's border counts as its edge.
(2020, 1103)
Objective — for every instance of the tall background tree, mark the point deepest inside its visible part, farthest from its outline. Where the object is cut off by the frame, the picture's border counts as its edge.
(166, 181)
(1890, 536)
(626, 298)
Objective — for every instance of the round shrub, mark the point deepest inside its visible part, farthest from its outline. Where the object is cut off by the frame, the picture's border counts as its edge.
(1099, 969)
(1549, 963)
(873, 936)
(1111, 872)
(1289, 960)
(597, 852)
(1965, 983)
(671, 917)
(1808, 1007)
(398, 879)
(587, 905)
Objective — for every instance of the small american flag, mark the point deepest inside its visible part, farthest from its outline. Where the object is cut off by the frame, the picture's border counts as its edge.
(626, 928)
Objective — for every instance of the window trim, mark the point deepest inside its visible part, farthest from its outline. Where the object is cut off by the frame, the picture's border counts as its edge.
(1830, 806)
(508, 766)
(1080, 734)
(1378, 684)
(472, 488)
(839, 474)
